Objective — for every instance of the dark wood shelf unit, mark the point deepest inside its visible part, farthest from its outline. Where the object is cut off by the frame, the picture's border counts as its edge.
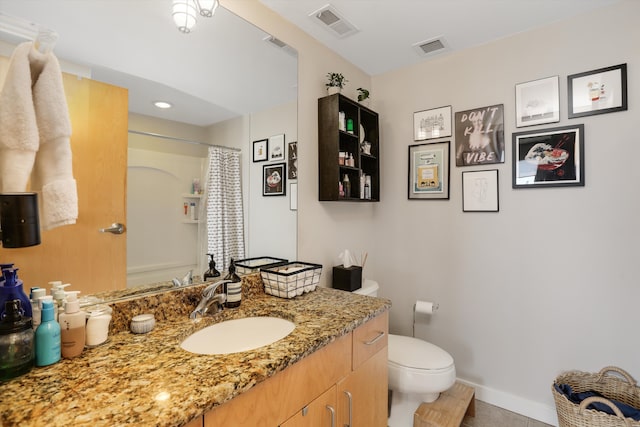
(332, 140)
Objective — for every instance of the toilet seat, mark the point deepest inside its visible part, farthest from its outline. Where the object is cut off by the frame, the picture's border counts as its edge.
(417, 355)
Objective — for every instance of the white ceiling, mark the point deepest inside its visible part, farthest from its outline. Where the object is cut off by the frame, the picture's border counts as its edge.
(224, 68)
(389, 28)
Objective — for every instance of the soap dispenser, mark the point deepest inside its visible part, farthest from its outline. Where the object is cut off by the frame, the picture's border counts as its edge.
(47, 337)
(211, 273)
(234, 287)
(72, 327)
(16, 342)
(12, 289)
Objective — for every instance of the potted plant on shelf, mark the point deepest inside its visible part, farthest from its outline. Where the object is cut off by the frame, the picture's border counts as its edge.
(363, 96)
(336, 82)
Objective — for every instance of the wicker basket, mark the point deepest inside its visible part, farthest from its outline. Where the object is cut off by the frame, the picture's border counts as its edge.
(291, 279)
(620, 387)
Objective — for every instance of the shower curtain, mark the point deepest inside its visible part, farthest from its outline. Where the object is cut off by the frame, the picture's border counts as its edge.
(223, 208)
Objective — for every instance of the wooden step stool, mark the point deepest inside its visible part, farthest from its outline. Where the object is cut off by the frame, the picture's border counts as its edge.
(449, 409)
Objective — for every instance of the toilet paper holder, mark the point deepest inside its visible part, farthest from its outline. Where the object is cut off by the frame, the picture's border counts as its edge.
(423, 307)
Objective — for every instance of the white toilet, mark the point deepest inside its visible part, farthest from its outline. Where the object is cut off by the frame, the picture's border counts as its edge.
(418, 371)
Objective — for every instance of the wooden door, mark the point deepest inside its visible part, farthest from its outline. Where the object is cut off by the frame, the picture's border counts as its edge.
(79, 254)
(363, 394)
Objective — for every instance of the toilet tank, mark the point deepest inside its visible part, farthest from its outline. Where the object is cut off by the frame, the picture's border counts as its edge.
(369, 288)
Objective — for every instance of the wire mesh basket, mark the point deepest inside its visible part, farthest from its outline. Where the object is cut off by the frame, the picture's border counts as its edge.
(253, 265)
(621, 388)
(291, 279)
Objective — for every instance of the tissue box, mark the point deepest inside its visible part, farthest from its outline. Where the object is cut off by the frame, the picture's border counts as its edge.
(347, 279)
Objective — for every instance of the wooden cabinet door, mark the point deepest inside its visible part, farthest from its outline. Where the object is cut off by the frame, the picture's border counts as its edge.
(362, 396)
(319, 413)
(79, 254)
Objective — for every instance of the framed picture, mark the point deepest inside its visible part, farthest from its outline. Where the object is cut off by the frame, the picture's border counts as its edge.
(430, 124)
(274, 180)
(260, 150)
(480, 191)
(549, 157)
(429, 171)
(276, 147)
(292, 160)
(597, 92)
(538, 102)
(293, 196)
(480, 136)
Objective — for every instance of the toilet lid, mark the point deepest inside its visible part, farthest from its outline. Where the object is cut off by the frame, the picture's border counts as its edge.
(416, 353)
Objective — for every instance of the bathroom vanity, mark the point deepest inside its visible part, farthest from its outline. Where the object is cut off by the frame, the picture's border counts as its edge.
(334, 358)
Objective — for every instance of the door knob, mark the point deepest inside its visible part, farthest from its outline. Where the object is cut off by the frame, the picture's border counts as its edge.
(116, 228)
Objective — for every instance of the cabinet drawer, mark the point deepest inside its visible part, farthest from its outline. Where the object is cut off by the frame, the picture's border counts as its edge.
(370, 338)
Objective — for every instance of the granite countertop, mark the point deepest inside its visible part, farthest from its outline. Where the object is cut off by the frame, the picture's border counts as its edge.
(148, 380)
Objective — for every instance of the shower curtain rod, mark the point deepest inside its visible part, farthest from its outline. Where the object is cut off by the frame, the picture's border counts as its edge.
(173, 138)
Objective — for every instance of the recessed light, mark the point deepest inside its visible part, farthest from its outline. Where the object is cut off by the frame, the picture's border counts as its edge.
(162, 104)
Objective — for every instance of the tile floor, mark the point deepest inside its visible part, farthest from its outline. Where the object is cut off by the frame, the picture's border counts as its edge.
(492, 416)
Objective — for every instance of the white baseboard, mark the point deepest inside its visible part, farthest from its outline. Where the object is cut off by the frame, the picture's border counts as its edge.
(528, 408)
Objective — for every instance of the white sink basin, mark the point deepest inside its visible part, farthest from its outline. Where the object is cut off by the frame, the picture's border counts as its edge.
(233, 336)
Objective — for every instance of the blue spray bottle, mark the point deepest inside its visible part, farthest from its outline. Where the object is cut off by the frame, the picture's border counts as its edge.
(12, 289)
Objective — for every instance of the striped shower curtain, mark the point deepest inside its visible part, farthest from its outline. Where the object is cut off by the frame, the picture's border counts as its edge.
(224, 216)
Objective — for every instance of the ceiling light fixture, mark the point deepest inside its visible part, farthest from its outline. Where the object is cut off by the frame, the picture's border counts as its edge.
(185, 12)
(162, 104)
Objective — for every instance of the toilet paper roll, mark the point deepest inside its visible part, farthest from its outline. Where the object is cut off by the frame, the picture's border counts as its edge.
(425, 307)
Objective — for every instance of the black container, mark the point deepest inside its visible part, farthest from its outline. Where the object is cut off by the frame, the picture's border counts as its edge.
(347, 279)
(19, 220)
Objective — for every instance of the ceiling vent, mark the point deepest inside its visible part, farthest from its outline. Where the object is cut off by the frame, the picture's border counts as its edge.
(280, 45)
(431, 47)
(330, 19)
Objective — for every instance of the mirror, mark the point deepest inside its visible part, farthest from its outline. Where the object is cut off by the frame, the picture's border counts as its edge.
(231, 84)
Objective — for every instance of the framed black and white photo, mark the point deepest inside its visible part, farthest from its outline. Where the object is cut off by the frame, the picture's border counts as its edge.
(549, 157)
(480, 191)
(276, 147)
(538, 102)
(274, 180)
(429, 171)
(480, 136)
(292, 160)
(431, 124)
(597, 92)
(260, 152)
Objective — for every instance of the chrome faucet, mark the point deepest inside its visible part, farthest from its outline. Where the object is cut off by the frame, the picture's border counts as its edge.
(209, 298)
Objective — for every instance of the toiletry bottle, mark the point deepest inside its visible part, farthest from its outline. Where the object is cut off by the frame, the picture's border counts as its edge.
(234, 289)
(47, 337)
(192, 211)
(16, 342)
(98, 319)
(49, 298)
(341, 121)
(36, 293)
(58, 294)
(12, 289)
(211, 273)
(72, 327)
(346, 186)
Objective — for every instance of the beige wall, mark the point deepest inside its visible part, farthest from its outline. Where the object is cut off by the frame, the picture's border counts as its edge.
(543, 286)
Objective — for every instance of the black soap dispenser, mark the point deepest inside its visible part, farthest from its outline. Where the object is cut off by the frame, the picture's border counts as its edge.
(234, 288)
(16, 341)
(211, 273)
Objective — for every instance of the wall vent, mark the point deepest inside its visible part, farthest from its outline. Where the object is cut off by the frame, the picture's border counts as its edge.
(331, 20)
(279, 44)
(431, 47)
